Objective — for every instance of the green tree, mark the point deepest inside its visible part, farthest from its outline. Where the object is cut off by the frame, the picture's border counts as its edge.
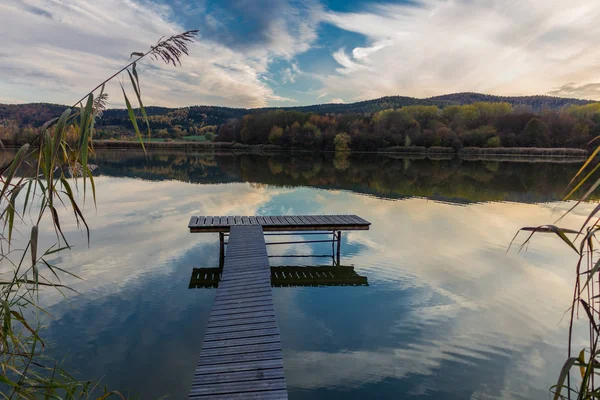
(462, 117)
(342, 142)
(424, 115)
(275, 134)
(535, 134)
(494, 141)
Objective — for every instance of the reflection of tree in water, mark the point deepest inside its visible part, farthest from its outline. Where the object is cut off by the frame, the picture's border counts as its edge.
(341, 161)
(389, 177)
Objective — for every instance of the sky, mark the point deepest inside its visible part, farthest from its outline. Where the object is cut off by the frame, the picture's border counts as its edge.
(256, 53)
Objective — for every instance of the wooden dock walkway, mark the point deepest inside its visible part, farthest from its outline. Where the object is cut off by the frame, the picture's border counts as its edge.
(241, 355)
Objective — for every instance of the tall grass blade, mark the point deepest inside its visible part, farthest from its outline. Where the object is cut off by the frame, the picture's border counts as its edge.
(560, 232)
(88, 121)
(133, 119)
(582, 181)
(588, 161)
(563, 376)
(136, 88)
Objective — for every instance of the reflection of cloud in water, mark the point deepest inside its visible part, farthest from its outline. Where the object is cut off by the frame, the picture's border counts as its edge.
(510, 300)
(141, 226)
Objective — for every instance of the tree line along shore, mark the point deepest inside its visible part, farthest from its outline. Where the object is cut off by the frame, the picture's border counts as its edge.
(480, 127)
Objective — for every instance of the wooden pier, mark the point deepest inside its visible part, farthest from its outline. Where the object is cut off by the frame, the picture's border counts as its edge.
(241, 356)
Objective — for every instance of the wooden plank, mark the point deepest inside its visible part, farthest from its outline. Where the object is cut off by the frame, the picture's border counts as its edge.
(193, 222)
(242, 305)
(239, 376)
(243, 343)
(305, 220)
(240, 357)
(241, 317)
(245, 273)
(240, 328)
(240, 334)
(297, 220)
(237, 350)
(242, 321)
(238, 387)
(241, 311)
(242, 294)
(348, 219)
(263, 395)
(274, 362)
(244, 284)
(225, 300)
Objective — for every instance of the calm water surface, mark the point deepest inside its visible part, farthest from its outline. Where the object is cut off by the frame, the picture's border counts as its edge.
(448, 313)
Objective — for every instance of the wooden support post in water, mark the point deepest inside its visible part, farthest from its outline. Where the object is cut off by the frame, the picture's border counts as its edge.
(221, 251)
(221, 244)
(339, 245)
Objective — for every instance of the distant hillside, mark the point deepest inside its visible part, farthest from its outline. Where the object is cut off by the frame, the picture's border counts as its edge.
(537, 103)
(32, 114)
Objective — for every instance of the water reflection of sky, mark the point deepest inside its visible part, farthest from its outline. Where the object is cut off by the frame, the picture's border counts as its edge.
(447, 313)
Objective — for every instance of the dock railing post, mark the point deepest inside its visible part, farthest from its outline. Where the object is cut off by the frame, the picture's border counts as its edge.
(221, 250)
(339, 245)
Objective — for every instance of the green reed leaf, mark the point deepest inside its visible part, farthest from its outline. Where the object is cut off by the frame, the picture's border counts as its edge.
(587, 162)
(133, 119)
(563, 376)
(138, 91)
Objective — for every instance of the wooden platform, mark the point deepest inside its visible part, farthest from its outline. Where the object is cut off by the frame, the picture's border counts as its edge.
(280, 223)
(241, 354)
(289, 276)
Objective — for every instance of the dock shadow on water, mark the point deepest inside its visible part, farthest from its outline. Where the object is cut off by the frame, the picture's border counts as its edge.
(447, 312)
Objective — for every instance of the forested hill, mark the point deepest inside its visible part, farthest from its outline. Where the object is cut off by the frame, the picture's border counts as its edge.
(35, 114)
(536, 103)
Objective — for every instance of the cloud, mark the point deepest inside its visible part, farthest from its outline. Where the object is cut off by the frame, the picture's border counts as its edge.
(504, 47)
(283, 27)
(290, 74)
(70, 46)
(585, 91)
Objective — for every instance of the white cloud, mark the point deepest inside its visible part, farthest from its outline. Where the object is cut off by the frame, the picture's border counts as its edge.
(56, 51)
(505, 47)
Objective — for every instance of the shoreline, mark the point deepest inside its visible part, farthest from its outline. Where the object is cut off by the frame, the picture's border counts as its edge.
(432, 152)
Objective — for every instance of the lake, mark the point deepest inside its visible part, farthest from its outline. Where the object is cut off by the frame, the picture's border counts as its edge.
(448, 312)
